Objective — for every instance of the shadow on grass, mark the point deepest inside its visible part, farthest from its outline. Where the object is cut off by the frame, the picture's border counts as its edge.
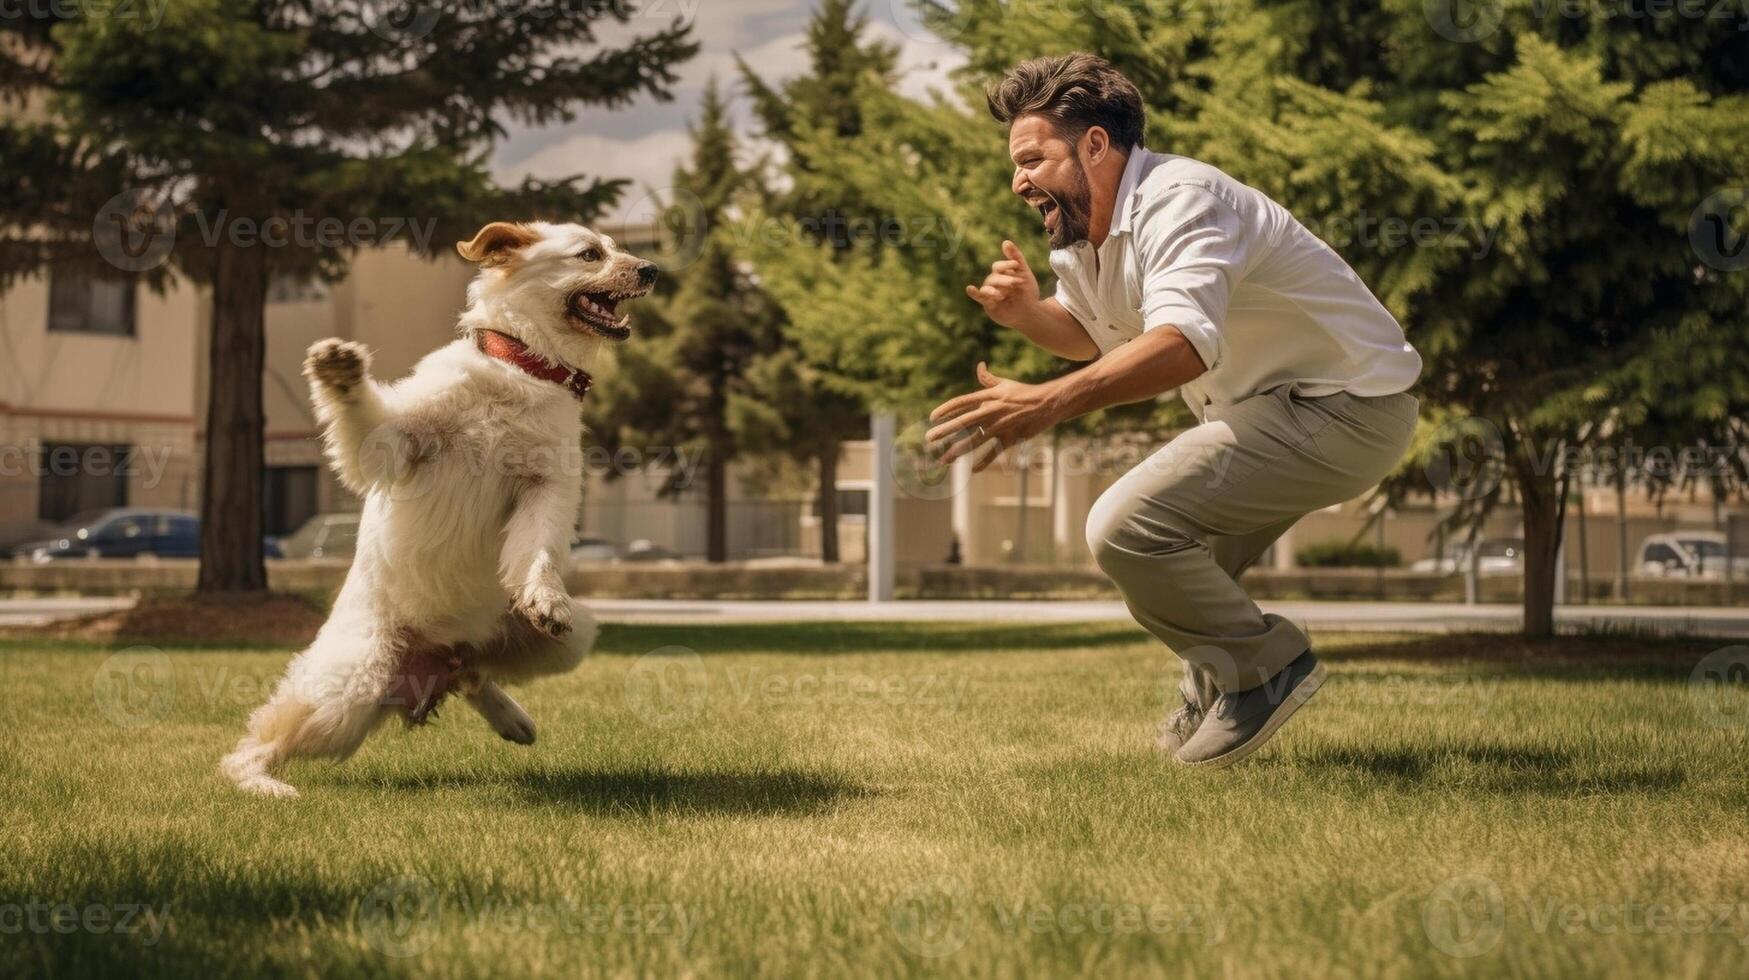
(1564, 657)
(1496, 769)
(866, 637)
(646, 791)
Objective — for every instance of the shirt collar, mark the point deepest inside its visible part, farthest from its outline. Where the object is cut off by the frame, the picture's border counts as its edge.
(1135, 168)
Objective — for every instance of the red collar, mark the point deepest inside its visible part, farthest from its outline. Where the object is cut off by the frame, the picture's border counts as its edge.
(508, 349)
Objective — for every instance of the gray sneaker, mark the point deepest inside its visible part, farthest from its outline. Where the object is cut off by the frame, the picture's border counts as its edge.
(1178, 727)
(1238, 724)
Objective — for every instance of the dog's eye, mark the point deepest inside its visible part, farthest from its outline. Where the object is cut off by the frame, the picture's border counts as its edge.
(591, 254)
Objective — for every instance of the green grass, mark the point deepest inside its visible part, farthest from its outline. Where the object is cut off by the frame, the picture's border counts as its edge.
(870, 799)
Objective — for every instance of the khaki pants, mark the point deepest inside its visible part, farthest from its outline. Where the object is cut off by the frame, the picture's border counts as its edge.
(1175, 532)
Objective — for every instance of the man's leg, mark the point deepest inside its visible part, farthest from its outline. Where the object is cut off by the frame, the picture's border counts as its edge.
(1160, 532)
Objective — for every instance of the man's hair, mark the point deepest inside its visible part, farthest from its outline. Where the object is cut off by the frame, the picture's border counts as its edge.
(1075, 92)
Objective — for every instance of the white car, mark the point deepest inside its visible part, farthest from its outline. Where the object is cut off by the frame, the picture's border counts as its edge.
(1689, 554)
(1498, 556)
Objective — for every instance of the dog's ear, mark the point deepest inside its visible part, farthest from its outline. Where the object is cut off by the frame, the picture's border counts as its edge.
(495, 243)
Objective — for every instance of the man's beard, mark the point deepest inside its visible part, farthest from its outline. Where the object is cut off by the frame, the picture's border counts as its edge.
(1074, 211)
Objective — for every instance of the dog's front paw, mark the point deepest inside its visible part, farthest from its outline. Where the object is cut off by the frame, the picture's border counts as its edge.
(338, 364)
(546, 609)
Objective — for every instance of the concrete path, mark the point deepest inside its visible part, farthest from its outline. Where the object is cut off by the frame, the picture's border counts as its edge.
(1433, 617)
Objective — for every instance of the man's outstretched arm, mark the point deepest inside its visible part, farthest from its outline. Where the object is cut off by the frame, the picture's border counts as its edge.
(1010, 411)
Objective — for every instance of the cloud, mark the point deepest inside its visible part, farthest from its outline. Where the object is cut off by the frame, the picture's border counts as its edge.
(646, 160)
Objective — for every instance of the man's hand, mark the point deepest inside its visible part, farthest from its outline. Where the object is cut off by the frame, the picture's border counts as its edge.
(1009, 294)
(1004, 412)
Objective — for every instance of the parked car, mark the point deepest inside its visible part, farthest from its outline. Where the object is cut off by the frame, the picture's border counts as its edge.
(119, 532)
(124, 532)
(322, 536)
(1497, 556)
(1689, 554)
(645, 550)
(593, 550)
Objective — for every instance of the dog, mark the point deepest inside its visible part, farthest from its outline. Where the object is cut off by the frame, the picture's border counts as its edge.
(457, 584)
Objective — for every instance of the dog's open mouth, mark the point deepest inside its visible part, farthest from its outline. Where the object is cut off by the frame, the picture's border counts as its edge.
(599, 313)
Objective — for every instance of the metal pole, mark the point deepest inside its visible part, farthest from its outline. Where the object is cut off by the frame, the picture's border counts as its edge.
(882, 430)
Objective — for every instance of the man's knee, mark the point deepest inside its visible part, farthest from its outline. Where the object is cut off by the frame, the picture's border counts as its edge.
(1123, 527)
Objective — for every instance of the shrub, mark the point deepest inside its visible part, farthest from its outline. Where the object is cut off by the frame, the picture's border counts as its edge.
(1347, 554)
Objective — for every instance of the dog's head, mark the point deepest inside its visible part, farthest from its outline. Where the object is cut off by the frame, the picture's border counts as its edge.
(556, 288)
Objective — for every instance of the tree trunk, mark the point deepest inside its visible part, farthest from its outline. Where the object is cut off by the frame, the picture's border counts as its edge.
(1540, 494)
(231, 519)
(829, 502)
(717, 506)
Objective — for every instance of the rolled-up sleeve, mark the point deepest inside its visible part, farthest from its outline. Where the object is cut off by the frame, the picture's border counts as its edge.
(1191, 250)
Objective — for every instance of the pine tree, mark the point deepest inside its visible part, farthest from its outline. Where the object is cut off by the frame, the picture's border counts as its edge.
(179, 139)
(1578, 184)
(675, 383)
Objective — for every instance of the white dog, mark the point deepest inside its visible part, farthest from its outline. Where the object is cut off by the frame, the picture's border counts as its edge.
(469, 504)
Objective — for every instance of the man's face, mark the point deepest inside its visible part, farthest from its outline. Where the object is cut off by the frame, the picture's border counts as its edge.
(1048, 175)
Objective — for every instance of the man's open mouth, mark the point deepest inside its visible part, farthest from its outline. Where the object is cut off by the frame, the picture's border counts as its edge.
(1049, 211)
(599, 313)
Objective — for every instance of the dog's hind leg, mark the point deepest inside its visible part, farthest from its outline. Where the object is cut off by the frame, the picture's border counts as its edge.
(503, 713)
(328, 717)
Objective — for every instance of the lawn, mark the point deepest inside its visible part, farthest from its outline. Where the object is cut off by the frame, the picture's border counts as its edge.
(857, 799)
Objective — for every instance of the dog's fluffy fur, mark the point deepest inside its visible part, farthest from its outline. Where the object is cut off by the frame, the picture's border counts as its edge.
(469, 506)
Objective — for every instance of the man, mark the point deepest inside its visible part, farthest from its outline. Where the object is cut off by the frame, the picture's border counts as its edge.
(1171, 274)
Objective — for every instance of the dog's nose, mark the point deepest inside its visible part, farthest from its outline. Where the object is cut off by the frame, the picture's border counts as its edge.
(647, 273)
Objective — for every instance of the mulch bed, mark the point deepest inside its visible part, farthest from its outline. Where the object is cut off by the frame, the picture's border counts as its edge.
(277, 620)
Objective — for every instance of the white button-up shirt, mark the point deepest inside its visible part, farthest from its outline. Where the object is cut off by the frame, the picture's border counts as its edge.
(1262, 299)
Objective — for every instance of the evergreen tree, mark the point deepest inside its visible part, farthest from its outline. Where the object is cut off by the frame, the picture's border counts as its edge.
(188, 143)
(694, 356)
(1545, 201)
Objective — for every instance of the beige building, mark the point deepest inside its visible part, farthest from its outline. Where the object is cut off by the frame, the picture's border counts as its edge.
(102, 394)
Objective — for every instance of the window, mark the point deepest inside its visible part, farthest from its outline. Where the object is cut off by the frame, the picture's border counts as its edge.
(83, 303)
(288, 498)
(78, 477)
(292, 289)
(851, 503)
(1661, 554)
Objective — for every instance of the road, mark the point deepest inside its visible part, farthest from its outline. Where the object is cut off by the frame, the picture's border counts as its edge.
(1433, 617)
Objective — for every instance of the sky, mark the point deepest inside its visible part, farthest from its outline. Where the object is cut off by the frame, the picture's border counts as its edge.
(646, 139)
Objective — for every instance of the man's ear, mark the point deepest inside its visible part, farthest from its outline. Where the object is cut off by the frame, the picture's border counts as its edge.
(1096, 144)
(496, 242)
